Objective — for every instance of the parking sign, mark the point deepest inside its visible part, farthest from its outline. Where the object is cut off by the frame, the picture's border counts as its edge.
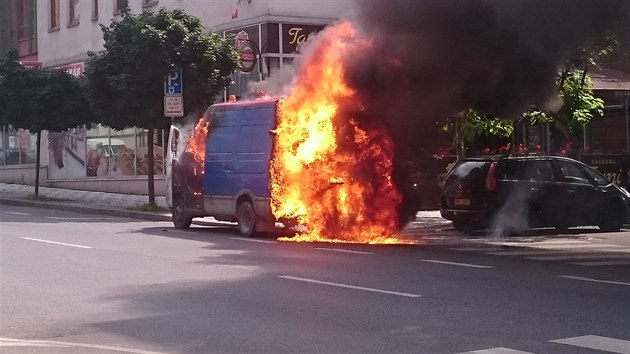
(173, 83)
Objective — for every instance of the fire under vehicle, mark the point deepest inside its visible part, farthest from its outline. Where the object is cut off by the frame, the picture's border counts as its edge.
(227, 176)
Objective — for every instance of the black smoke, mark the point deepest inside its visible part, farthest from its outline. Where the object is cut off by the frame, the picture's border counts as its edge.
(431, 59)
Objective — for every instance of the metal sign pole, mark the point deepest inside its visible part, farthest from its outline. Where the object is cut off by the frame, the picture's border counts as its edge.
(627, 128)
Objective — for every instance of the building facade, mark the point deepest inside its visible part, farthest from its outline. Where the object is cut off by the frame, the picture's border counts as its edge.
(101, 158)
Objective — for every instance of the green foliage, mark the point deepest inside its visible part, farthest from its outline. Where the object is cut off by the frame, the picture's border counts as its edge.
(580, 105)
(475, 124)
(126, 79)
(41, 99)
(535, 116)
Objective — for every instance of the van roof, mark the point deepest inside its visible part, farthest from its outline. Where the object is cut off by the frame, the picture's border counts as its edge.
(252, 103)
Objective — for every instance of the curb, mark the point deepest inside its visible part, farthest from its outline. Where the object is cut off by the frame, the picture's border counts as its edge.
(88, 210)
(104, 211)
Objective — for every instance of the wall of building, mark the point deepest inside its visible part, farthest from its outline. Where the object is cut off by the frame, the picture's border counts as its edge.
(71, 42)
(67, 45)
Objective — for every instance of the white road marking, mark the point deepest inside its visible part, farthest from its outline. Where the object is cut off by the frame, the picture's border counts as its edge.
(456, 264)
(56, 243)
(252, 240)
(341, 250)
(498, 350)
(612, 345)
(601, 263)
(13, 342)
(16, 213)
(340, 285)
(580, 256)
(594, 280)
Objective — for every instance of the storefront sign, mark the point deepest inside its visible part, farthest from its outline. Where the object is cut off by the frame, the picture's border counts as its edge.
(294, 35)
(74, 69)
(615, 167)
(31, 64)
(247, 51)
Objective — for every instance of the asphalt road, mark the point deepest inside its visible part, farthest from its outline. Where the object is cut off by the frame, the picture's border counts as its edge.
(78, 283)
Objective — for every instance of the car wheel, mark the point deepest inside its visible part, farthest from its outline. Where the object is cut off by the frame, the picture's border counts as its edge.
(612, 220)
(180, 219)
(246, 219)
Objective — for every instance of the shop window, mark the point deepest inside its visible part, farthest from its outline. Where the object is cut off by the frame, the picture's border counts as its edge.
(73, 12)
(54, 14)
(17, 147)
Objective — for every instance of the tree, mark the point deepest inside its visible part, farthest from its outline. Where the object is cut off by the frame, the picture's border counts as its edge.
(125, 80)
(40, 99)
(579, 106)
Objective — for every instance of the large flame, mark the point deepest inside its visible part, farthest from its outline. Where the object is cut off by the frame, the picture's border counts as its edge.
(329, 172)
(196, 145)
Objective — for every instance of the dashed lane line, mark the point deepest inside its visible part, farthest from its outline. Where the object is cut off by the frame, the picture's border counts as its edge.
(606, 344)
(16, 213)
(340, 285)
(341, 250)
(56, 243)
(498, 350)
(457, 264)
(594, 281)
(611, 345)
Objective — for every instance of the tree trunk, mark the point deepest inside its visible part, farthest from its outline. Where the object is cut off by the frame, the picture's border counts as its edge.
(37, 162)
(151, 162)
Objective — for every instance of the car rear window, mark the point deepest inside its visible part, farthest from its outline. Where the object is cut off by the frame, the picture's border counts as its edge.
(469, 171)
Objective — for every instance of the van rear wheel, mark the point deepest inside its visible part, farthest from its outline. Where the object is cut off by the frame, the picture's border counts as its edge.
(246, 219)
(180, 219)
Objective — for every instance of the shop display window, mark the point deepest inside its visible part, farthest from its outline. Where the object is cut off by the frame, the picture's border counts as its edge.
(17, 147)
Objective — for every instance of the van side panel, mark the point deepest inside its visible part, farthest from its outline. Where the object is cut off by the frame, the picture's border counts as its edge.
(253, 150)
(238, 152)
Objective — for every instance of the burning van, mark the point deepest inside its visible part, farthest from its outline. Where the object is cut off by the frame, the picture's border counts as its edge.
(223, 170)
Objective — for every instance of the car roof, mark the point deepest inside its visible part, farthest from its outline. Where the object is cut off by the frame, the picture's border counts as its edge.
(531, 156)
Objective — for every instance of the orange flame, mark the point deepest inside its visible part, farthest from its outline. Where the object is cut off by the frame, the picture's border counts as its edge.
(329, 172)
(196, 145)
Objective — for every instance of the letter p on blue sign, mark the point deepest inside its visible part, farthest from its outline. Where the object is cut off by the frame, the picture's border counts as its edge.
(173, 83)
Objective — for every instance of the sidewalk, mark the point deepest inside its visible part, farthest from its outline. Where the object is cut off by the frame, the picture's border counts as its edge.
(112, 204)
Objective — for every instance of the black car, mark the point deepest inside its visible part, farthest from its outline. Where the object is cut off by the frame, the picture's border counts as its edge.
(514, 193)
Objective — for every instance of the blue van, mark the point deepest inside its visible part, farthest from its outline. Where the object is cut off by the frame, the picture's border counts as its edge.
(234, 182)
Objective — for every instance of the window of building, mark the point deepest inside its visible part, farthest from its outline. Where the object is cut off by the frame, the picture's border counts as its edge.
(54, 14)
(17, 146)
(22, 20)
(73, 12)
(94, 9)
(119, 5)
(146, 3)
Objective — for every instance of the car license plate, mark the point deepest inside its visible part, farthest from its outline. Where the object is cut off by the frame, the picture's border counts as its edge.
(461, 201)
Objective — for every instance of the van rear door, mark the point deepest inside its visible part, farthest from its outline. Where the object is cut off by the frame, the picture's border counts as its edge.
(173, 144)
